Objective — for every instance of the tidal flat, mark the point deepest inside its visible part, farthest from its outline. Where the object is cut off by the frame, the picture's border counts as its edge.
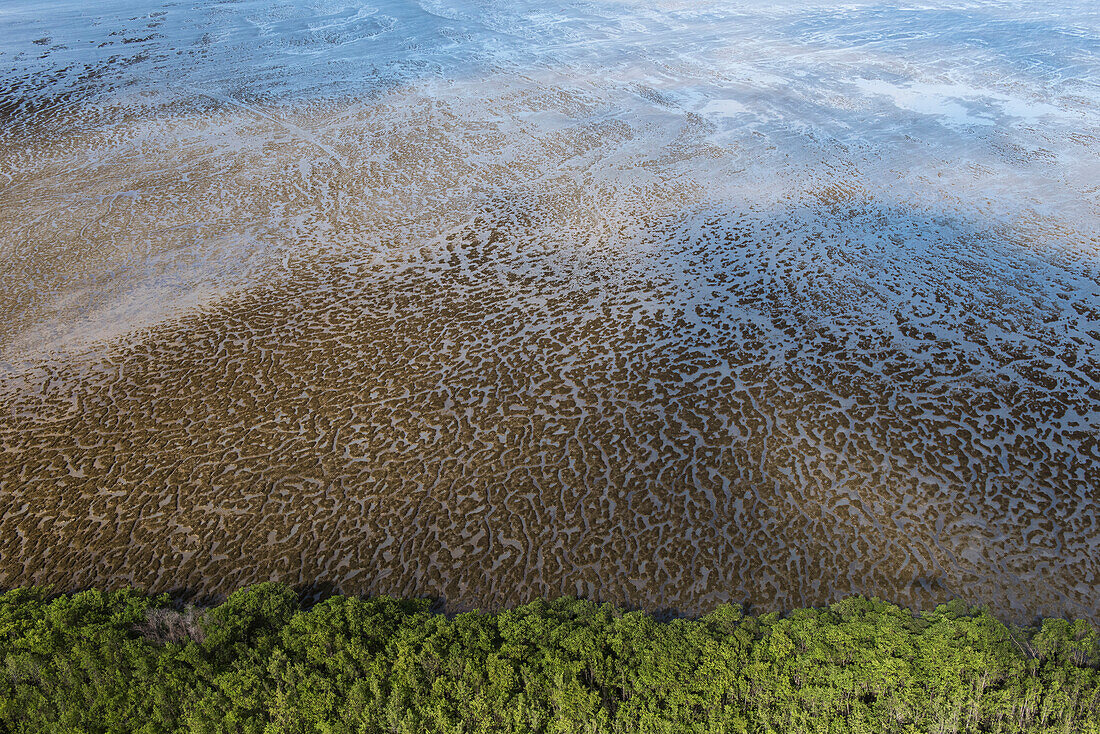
(666, 304)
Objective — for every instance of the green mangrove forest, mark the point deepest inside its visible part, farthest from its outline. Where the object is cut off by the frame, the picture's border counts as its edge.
(263, 661)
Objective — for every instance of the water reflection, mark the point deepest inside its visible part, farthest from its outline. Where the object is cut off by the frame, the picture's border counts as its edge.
(667, 306)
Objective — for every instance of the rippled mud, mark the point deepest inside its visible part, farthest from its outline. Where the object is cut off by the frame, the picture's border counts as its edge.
(538, 330)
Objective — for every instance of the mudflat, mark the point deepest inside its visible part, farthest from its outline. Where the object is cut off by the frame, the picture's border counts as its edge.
(768, 306)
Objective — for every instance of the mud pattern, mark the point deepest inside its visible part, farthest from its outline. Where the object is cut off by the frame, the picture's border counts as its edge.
(546, 327)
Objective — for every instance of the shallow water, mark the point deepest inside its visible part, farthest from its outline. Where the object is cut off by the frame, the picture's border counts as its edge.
(666, 304)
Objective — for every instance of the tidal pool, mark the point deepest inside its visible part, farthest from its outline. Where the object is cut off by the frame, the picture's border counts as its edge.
(662, 303)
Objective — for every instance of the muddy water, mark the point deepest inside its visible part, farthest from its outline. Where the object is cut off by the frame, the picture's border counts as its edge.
(492, 305)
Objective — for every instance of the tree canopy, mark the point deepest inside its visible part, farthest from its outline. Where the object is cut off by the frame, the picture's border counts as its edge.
(261, 662)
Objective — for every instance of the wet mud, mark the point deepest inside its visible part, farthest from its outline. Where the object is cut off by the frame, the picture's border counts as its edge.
(490, 339)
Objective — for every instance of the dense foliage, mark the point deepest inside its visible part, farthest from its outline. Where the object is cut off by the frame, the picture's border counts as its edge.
(260, 662)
